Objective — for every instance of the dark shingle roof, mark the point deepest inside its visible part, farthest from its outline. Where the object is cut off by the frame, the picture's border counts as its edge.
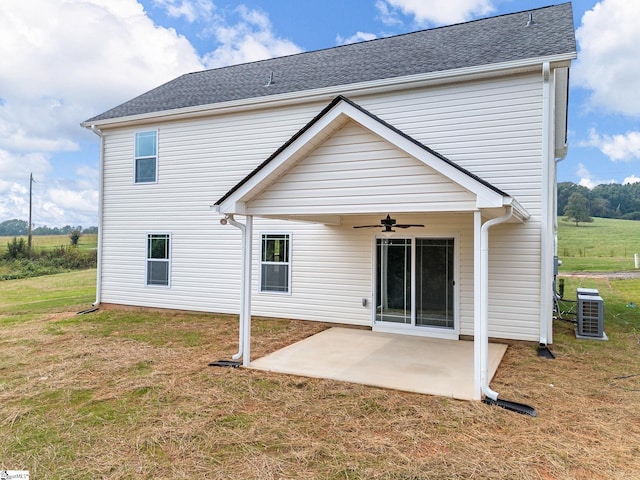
(481, 42)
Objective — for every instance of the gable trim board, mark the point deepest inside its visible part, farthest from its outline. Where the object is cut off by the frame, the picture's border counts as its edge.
(238, 199)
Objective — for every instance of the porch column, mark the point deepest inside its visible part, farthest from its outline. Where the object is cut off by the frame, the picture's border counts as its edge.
(245, 308)
(477, 307)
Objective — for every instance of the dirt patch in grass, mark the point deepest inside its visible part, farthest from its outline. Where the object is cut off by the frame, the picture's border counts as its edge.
(128, 394)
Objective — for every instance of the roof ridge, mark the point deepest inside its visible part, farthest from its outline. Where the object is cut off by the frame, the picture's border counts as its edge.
(336, 47)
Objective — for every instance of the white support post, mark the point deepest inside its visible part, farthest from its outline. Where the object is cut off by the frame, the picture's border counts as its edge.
(477, 307)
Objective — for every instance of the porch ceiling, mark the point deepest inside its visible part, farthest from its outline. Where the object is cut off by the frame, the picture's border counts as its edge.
(398, 362)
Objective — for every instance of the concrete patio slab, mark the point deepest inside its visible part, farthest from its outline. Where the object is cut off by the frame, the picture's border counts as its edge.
(399, 362)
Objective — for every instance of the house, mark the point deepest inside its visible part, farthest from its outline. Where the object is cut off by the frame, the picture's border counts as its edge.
(247, 189)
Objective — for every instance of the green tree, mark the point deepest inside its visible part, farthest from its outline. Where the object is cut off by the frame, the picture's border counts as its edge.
(74, 236)
(577, 209)
(15, 227)
(565, 190)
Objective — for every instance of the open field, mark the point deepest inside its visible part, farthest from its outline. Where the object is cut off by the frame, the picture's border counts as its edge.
(120, 394)
(605, 245)
(45, 242)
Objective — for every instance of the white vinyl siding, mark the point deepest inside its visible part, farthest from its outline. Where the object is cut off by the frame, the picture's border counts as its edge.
(490, 127)
(354, 171)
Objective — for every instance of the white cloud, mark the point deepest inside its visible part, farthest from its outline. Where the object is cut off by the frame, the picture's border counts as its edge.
(191, 10)
(387, 15)
(63, 62)
(357, 37)
(608, 63)
(618, 147)
(588, 180)
(434, 12)
(248, 40)
(14, 182)
(631, 179)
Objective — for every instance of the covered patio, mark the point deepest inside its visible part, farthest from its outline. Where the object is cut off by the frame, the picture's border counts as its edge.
(400, 362)
(397, 174)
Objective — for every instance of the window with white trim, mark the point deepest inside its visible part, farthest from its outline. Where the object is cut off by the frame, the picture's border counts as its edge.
(158, 259)
(146, 157)
(275, 266)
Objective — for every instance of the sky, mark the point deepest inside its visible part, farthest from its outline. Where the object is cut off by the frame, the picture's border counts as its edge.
(64, 61)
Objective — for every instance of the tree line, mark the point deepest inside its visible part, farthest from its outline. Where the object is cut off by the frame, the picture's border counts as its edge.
(606, 201)
(18, 228)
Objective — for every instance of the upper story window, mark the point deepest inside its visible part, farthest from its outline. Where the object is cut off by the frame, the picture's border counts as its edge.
(146, 157)
(158, 258)
(275, 268)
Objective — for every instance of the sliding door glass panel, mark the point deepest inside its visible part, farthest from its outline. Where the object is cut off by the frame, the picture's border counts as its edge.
(393, 279)
(434, 282)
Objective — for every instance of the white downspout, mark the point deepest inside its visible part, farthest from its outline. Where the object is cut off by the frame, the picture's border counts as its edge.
(98, 132)
(246, 286)
(484, 301)
(244, 336)
(547, 241)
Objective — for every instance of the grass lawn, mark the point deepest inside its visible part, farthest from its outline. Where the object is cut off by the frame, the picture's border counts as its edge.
(120, 394)
(604, 245)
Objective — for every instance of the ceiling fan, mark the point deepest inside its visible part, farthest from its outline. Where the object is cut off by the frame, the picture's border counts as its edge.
(388, 224)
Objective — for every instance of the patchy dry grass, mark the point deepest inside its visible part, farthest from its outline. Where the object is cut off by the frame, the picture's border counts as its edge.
(128, 394)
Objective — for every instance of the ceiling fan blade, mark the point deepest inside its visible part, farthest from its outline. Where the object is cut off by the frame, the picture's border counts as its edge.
(407, 225)
(368, 226)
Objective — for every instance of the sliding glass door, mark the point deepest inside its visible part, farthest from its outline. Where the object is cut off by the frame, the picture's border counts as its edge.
(434, 282)
(394, 280)
(415, 282)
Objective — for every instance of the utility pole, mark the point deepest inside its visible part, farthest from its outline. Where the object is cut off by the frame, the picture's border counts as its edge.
(31, 180)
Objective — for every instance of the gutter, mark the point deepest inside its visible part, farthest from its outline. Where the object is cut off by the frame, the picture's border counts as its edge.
(98, 132)
(491, 396)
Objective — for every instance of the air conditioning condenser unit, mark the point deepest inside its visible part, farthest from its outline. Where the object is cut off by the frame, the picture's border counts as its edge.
(590, 317)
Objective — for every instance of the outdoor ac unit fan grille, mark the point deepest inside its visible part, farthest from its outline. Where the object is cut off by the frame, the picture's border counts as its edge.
(590, 316)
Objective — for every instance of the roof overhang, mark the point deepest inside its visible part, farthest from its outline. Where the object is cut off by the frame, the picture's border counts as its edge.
(325, 94)
(488, 198)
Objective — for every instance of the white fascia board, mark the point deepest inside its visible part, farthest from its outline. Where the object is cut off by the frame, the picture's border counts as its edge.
(321, 94)
(236, 202)
(254, 185)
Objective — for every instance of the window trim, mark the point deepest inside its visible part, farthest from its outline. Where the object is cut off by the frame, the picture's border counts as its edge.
(136, 158)
(289, 236)
(148, 259)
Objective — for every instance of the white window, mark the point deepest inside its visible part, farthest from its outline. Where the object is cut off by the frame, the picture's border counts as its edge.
(275, 267)
(146, 157)
(158, 258)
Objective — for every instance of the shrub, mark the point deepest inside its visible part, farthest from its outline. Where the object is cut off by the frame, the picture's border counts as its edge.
(74, 236)
(16, 248)
(46, 262)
